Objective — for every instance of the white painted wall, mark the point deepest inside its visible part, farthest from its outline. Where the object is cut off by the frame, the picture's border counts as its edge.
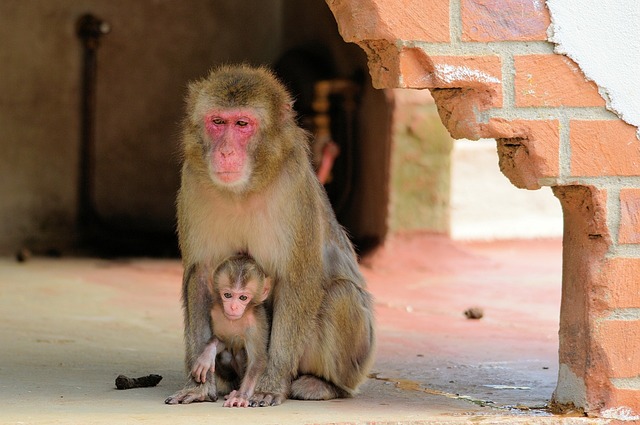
(603, 38)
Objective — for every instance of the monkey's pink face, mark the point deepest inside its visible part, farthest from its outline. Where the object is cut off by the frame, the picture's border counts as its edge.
(235, 302)
(230, 132)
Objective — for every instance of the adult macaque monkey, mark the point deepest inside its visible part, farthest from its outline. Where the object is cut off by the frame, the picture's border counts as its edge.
(248, 186)
(240, 330)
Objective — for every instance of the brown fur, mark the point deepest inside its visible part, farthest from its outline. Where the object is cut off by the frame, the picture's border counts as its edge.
(237, 352)
(322, 314)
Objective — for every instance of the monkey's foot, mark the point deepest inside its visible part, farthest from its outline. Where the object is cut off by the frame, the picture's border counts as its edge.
(309, 387)
(266, 399)
(199, 393)
(236, 399)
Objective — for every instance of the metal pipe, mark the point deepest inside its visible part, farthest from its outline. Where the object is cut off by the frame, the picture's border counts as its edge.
(89, 29)
(321, 106)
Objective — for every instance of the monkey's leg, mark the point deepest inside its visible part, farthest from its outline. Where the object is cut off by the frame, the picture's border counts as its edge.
(293, 322)
(339, 355)
(227, 378)
(197, 333)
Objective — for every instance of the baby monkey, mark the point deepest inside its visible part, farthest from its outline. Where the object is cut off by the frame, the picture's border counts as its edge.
(237, 352)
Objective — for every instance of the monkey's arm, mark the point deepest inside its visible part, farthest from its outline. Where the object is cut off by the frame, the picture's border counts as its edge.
(206, 362)
(294, 314)
(299, 287)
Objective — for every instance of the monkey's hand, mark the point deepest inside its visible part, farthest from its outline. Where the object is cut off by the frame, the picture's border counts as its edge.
(202, 366)
(236, 399)
(194, 393)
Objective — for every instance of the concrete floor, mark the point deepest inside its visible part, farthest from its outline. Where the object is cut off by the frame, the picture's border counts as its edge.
(69, 326)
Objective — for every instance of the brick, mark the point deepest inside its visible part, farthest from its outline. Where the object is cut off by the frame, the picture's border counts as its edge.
(457, 108)
(629, 216)
(411, 67)
(585, 245)
(586, 233)
(527, 150)
(618, 284)
(382, 57)
(478, 72)
(502, 20)
(618, 342)
(604, 148)
(415, 20)
(386, 20)
(464, 85)
(552, 80)
(621, 403)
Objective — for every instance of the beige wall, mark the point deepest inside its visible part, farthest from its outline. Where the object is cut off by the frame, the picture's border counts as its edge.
(144, 63)
(420, 165)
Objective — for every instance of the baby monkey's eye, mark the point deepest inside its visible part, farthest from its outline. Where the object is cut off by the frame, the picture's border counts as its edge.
(243, 298)
(227, 295)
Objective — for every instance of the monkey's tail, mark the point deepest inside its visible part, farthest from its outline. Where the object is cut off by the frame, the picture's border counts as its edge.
(309, 387)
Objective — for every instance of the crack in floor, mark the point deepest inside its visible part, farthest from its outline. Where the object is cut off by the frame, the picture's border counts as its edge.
(409, 385)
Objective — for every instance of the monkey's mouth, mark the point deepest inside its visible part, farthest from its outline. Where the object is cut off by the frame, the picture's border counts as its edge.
(232, 317)
(229, 176)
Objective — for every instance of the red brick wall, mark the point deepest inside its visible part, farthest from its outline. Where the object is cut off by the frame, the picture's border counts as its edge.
(493, 75)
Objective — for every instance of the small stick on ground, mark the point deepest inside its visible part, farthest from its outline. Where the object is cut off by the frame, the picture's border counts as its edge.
(126, 383)
(23, 255)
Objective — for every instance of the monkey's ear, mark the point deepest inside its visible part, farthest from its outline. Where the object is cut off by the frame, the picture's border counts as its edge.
(266, 288)
(194, 89)
(287, 111)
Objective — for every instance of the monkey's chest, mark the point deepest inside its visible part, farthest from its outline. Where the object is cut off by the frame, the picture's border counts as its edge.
(232, 333)
(218, 229)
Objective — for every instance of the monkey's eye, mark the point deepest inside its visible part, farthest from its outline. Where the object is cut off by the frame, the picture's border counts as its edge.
(217, 121)
(227, 295)
(243, 298)
(241, 123)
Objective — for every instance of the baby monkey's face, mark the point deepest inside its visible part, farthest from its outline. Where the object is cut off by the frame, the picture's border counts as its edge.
(235, 301)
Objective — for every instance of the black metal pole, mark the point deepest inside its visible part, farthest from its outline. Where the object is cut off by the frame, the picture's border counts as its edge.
(89, 29)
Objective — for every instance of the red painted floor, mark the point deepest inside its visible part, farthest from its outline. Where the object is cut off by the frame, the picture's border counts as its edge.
(69, 326)
(423, 284)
